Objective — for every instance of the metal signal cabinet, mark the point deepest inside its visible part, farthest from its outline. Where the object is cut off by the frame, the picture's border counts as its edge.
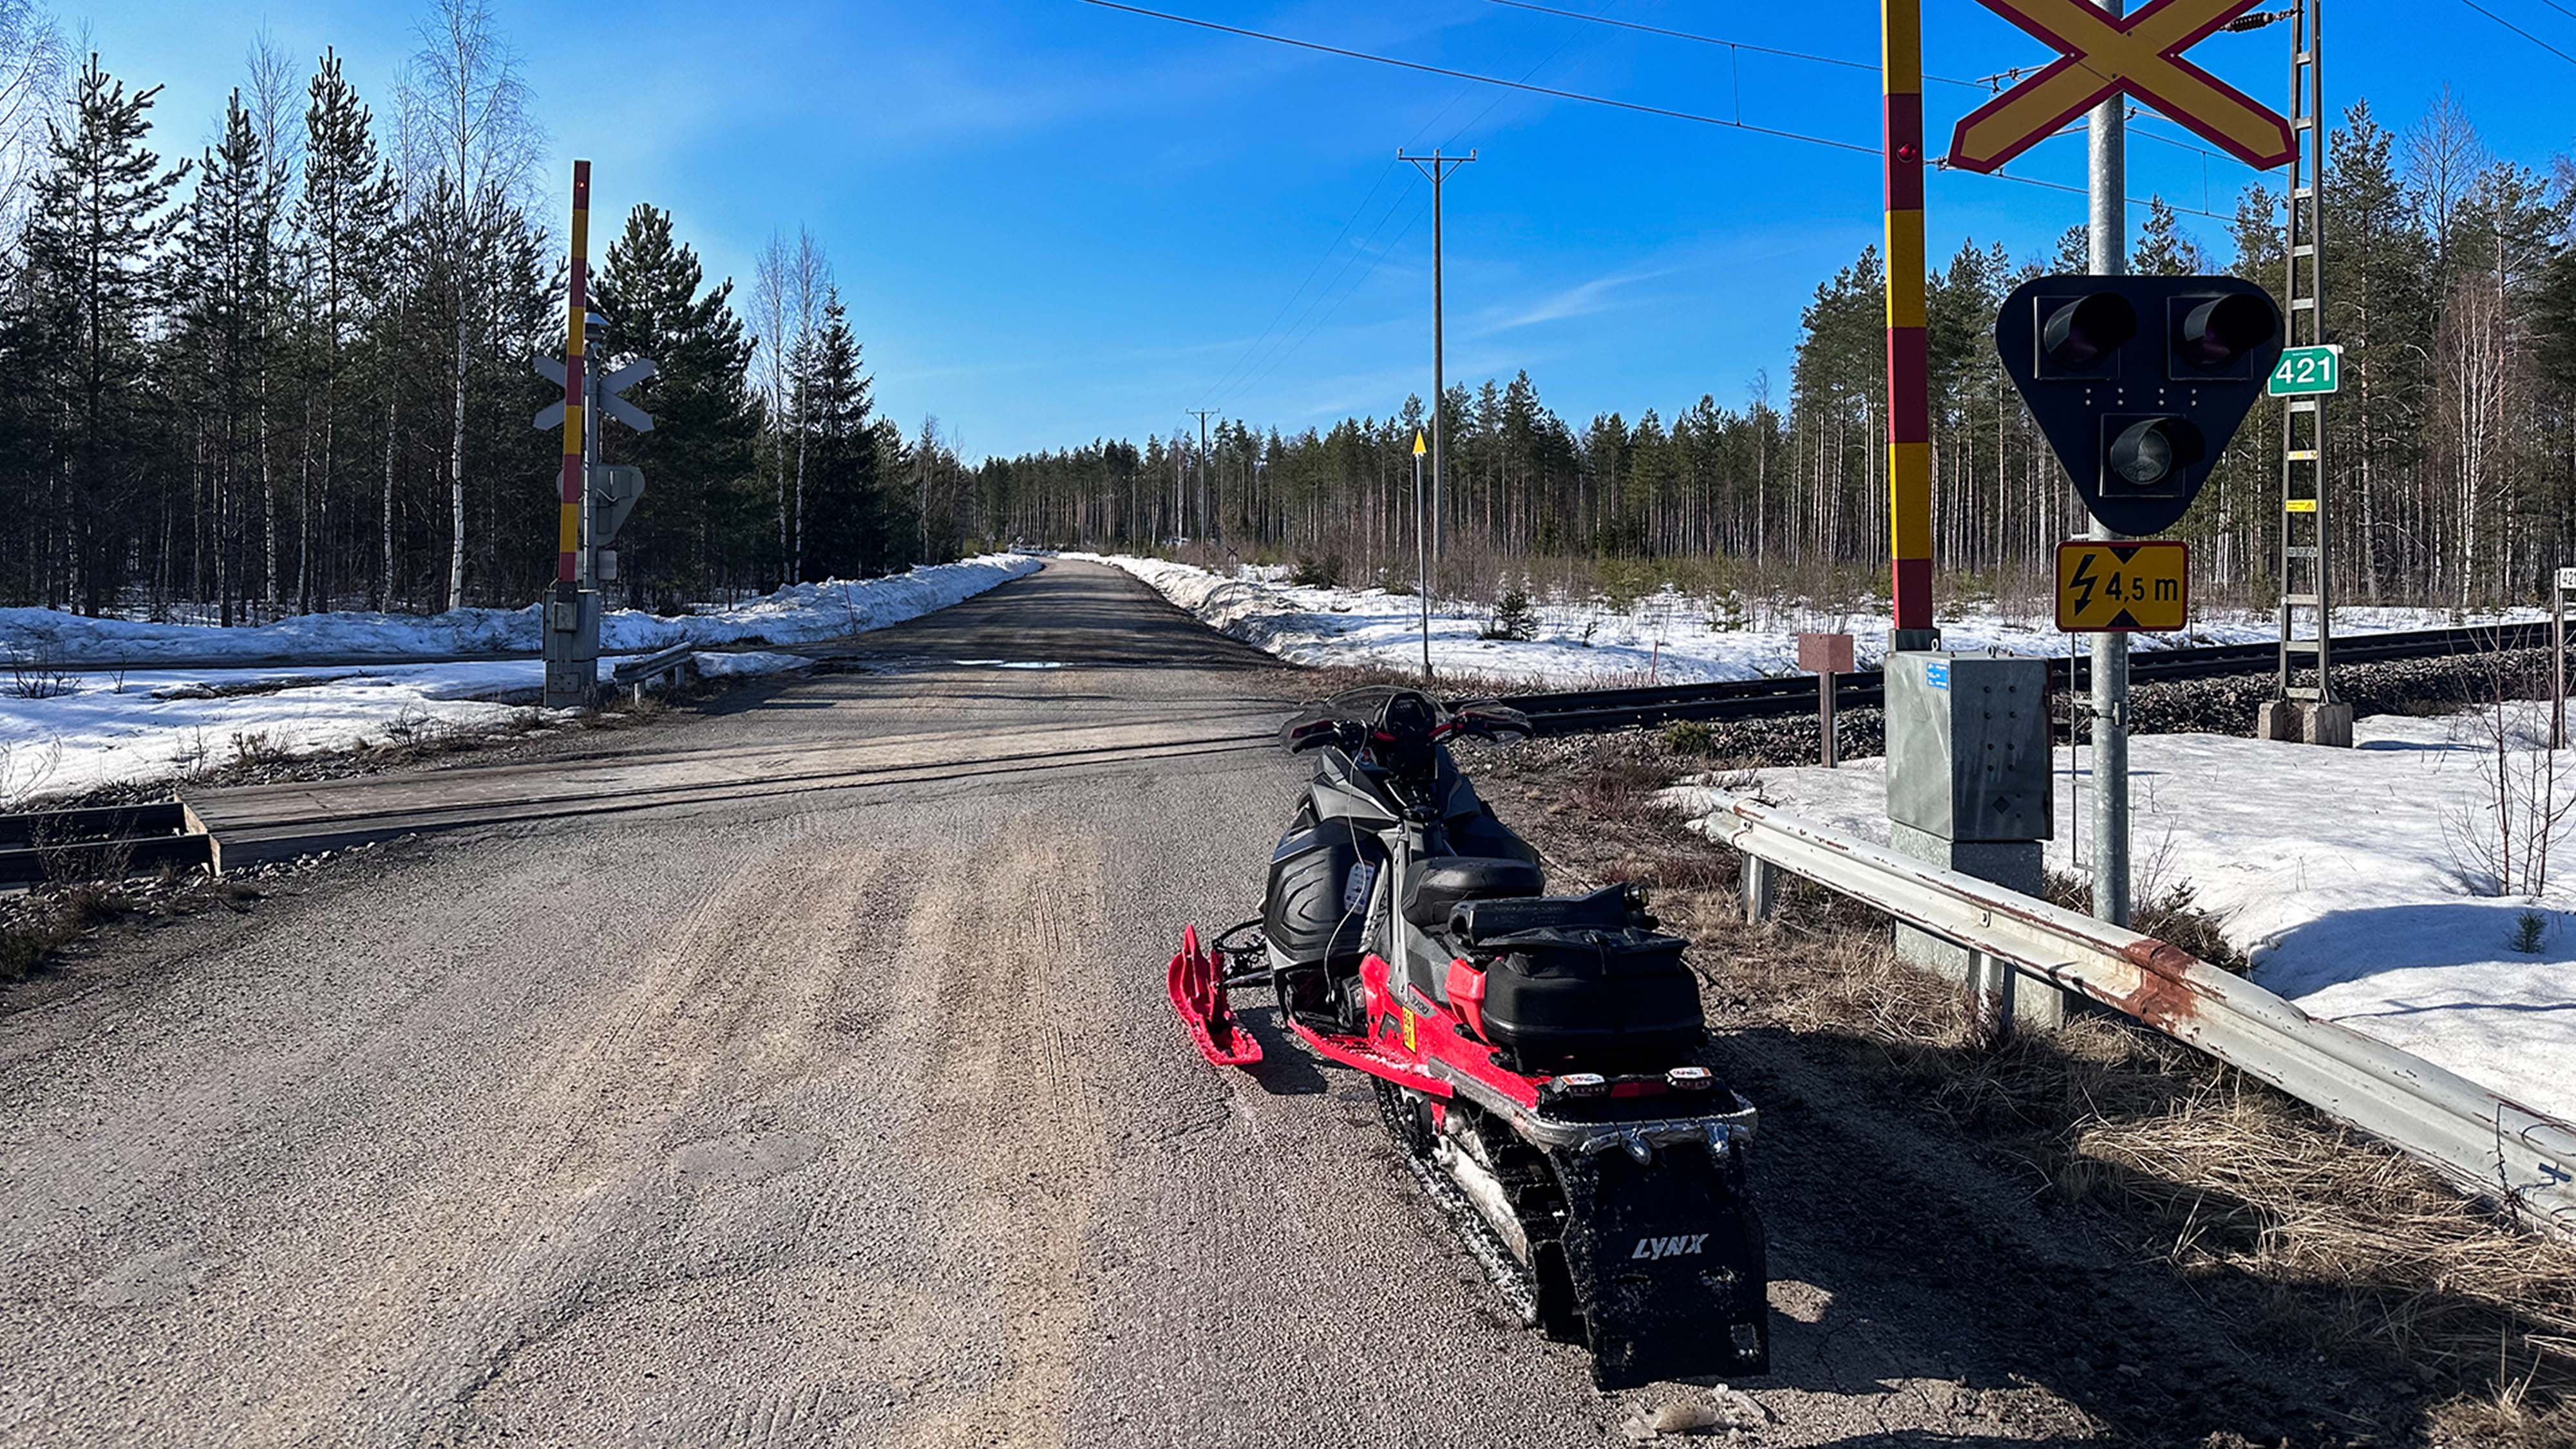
(1970, 788)
(1968, 756)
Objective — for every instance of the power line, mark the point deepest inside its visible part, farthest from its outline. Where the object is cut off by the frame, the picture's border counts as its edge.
(1294, 338)
(1329, 249)
(2561, 9)
(1416, 65)
(1718, 40)
(1324, 303)
(2080, 191)
(2518, 30)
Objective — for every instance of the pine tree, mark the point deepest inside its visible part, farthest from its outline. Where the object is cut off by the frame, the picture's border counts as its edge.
(2163, 250)
(845, 535)
(699, 459)
(223, 255)
(94, 237)
(344, 216)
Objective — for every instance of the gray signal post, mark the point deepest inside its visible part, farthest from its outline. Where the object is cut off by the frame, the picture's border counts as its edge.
(2108, 228)
(1437, 167)
(608, 494)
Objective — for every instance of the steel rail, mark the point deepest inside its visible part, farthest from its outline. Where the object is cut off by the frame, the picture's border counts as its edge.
(2483, 1143)
(1575, 711)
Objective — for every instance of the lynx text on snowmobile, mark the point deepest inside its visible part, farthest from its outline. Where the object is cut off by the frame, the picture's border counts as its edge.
(1532, 1054)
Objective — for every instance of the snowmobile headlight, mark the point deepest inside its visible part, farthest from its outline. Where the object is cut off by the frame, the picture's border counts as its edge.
(1689, 1079)
(1583, 1084)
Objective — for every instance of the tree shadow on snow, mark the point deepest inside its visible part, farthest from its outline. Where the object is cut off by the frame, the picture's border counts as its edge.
(2353, 946)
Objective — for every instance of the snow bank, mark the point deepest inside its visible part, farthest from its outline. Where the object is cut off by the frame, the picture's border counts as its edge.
(1666, 638)
(174, 724)
(797, 614)
(2353, 878)
(151, 724)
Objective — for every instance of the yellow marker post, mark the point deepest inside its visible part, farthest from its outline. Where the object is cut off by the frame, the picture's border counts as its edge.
(1422, 544)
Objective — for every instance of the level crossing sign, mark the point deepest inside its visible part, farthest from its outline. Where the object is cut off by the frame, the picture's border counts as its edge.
(2099, 57)
(2141, 586)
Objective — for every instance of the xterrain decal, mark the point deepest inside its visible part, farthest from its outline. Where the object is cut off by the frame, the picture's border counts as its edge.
(1681, 1247)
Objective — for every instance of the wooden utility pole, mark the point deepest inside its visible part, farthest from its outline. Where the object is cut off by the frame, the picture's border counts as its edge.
(1437, 167)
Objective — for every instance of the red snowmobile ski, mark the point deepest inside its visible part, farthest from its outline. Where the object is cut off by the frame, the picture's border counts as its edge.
(1532, 1054)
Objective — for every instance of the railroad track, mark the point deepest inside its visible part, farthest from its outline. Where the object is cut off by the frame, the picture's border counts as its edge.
(265, 822)
(1577, 711)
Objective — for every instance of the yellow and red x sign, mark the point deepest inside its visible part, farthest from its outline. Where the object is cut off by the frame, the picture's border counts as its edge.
(2102, 57)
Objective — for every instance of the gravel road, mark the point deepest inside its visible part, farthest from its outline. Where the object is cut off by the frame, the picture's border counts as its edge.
(839, 1117)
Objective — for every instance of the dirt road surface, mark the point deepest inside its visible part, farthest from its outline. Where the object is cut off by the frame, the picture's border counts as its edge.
(853, 1115)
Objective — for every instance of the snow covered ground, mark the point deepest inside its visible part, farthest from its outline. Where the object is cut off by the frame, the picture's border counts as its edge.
(2359, 881)
(797, 614)
(1667, 638)
(64, 733)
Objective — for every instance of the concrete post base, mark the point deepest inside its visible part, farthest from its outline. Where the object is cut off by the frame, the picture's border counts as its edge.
(2014, 865)
(2305, 722)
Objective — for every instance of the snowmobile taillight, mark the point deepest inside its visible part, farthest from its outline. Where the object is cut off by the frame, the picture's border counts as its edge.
(1583, 1084)
(1689, 1079)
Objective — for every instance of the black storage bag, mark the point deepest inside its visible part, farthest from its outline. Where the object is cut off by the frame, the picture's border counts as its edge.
(1589, 999)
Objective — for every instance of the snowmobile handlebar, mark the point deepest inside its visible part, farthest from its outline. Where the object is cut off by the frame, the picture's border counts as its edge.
(1397, 718)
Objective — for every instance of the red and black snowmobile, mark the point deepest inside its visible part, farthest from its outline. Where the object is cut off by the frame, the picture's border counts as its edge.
(1532, 1054)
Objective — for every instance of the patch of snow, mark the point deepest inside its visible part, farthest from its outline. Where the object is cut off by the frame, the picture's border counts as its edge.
(1664, 638)
(750, 664)
(152, 724)
(2354, 879)
(796, 614)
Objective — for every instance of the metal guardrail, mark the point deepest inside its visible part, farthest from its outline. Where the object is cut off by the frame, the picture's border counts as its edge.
(1574, 711)
(2488, 1145)
(651, 666)
(111, 840)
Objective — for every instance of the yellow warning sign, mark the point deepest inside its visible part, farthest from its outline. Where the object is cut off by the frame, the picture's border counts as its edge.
(2299, 505)
(1419, 447)
(2123, 588)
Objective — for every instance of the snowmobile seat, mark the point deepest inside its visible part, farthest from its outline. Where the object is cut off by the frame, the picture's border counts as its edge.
(1476, 922)
(1443, 884)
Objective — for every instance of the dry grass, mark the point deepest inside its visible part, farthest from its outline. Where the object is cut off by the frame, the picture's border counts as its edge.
(39, 923)
(2320, 1240)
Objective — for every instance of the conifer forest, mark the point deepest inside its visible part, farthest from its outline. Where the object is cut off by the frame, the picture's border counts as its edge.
(290, 370)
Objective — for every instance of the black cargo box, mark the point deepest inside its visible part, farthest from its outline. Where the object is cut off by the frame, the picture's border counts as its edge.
(1589, 999)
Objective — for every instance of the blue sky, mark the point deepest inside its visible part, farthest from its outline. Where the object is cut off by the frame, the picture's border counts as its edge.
(1053, 222)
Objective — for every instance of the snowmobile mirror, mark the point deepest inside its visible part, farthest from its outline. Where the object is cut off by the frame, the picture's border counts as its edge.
(1310, 734)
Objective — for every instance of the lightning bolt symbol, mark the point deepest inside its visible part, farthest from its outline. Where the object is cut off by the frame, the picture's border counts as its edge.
(2085, 581)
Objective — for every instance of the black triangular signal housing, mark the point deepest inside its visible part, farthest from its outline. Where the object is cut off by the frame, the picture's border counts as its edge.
(2139, 382)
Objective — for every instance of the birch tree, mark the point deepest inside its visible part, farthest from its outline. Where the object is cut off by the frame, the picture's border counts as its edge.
(475, 128)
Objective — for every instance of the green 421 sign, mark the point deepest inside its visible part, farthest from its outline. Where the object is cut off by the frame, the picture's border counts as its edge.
(2307, 371)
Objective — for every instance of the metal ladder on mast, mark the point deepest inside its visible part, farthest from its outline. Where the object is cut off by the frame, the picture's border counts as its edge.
(2307, 580)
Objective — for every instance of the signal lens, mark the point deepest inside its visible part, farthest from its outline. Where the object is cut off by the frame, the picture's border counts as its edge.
(2149, 452)
(2083, 332)
(2223, 329)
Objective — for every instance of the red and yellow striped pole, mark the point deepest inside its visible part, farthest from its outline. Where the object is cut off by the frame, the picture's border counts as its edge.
(1909, 402)
(568, 523)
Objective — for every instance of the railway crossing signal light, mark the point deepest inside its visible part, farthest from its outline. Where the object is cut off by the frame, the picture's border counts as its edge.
(2139, 382)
